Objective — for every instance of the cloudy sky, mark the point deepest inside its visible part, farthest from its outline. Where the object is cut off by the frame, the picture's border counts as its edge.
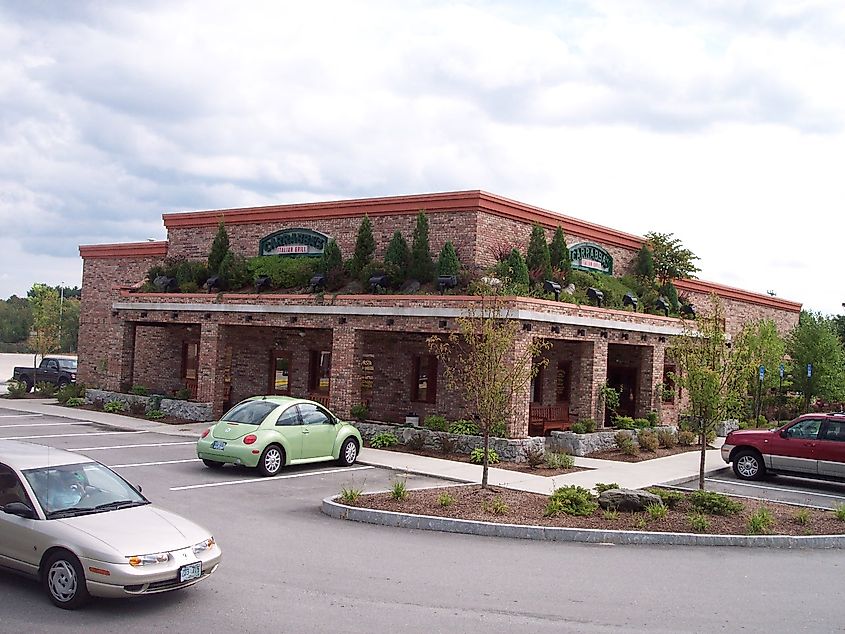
(720, 121)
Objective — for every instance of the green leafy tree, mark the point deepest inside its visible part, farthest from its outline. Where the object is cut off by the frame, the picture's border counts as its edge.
(713, 372)
(69, 336)
(669, 291)
(516, 268)
(814, 341)
(538, 258)
(45, 319)
(332, 259)
(485, 363)
(397, 258)
(448, 263)
(422, 266)
(765, 348)
(671, 260)
(644, 267)
(219, 249)
(15, 319)
(559, 252)
(365, 247)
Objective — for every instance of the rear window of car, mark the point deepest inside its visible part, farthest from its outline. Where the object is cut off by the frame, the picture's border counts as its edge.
(250, 413)
(67, 364)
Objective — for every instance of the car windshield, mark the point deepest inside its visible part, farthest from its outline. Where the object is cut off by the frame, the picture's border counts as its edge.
(80, 489)
(67, 364)
(250, 412)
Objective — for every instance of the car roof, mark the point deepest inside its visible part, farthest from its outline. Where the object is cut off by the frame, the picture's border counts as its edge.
(279, 400)
(24, 455)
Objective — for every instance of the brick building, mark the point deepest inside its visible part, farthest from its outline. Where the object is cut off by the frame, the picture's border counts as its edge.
(348, 349)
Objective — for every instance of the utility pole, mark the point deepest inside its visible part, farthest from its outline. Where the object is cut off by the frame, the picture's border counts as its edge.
(61, 306)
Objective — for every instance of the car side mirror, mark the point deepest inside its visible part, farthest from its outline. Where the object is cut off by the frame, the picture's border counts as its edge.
(19, 509)
(138, 488)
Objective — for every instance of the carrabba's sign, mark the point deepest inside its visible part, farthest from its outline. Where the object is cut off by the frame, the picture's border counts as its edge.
(294, 242)
(588, 256)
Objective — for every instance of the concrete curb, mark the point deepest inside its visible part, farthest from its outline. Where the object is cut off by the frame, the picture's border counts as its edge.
(334, 509)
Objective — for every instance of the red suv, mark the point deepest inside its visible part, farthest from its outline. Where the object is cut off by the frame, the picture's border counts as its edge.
(812, 445)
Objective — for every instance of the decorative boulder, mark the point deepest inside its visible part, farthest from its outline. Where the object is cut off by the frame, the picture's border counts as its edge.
(627, 500)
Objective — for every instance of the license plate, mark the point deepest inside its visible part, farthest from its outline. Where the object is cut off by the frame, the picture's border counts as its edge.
(189, 572)
(218, 444)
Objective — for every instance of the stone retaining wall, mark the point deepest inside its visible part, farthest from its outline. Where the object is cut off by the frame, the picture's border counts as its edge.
(509, 450)
(585, 444)
(188, 410)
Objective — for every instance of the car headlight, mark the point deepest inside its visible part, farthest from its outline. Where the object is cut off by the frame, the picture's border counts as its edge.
(147, 560)
(203, 546)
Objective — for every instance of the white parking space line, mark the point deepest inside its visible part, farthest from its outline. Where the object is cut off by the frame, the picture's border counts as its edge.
(93, 433)
(154, 444)
(281, 477)
(150, 464)
(44, 425)
(20, 415)
(762, 486)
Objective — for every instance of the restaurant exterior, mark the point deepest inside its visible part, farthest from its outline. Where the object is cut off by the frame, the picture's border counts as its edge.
(346, 349)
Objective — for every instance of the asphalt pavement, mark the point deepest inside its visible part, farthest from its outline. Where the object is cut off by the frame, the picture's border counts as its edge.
(288, 568)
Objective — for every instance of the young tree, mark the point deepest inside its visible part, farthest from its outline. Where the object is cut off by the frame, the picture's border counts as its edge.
(485, 361)
(765, 349)
(397, 258)
(219, 249)
(70, 325)
(814, 342)
(671, 260)
(331, 260)
(644, 267)
(712, 370)
(422, 266)
(559, 252)
(517, 269)
(448, 263)
(538, 258)
(45, 319)
(365, 247)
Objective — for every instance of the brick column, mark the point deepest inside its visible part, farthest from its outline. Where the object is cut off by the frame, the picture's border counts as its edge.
(122, 365)
(211, 372)
(345, 379)
(651, 373)
(597, 378)
(518, 423)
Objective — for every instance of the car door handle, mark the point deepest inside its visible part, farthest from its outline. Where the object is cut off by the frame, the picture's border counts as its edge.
(305, 431)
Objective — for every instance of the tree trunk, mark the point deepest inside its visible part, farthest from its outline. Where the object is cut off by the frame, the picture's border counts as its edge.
(703, 440)
(484, 460)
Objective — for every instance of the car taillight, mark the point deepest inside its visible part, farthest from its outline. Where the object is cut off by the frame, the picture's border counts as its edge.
(205, 433)
(248, 440)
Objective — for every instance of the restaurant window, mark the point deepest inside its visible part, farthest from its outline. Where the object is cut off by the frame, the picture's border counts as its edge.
(190, 366)
(669, 387)
(280, 363)
(321, 365)
(537, 384)
(424, 380)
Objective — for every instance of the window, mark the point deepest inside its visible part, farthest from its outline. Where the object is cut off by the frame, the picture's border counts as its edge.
(833, 430)
(562, 382)
(313, 415)
(190, 360)
(250, 412)
(289, 417)
(807, 429)
(669, 389)
(320, 371)
(537, 384)
(424, 379)
(11, 489)
(280, 363)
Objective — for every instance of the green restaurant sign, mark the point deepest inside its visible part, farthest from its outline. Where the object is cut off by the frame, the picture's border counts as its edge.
(294, 242)
(588, 256)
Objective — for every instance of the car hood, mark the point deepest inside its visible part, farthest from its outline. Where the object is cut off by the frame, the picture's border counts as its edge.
(141, 530)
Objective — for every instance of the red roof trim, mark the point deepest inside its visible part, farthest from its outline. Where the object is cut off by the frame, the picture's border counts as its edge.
(729, 292)
(125, 250)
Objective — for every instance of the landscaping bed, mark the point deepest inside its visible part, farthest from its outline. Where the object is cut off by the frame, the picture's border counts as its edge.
(506, 506)
(660, 452)
(167, 420)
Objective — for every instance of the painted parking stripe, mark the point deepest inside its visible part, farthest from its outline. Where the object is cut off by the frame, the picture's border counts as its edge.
(761, 486)
(45, 425)
(93, 433)
(154, 444)
(281, 477)
(151, 464)
(20, 415)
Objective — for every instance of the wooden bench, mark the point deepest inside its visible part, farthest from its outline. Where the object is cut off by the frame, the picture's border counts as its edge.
(544, 419)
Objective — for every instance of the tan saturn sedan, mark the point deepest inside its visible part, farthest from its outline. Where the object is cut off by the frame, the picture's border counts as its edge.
(83, 531)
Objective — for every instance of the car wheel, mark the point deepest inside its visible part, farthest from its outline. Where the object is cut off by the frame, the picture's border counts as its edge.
(271, 461)
(212, 464)
(29, 384)
(748, 465)
(64, 581)
(348, 453)
(63, 382)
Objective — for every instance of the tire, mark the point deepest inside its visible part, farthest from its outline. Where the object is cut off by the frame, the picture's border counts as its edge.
(348, 453)
(271, 461)
(64, 581)
(212, 464)
(748, 465)
(62, 383)
(29, 384)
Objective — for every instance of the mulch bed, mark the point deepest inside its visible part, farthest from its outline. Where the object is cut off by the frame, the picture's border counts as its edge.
(475, 503)
(615, 454)
(522, 467)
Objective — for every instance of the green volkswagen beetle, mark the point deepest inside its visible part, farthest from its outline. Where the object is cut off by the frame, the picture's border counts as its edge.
(269, 432)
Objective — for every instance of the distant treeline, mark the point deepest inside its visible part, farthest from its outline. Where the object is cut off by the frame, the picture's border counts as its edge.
(17, 318)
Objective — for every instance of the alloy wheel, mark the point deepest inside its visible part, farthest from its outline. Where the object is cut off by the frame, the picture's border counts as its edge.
(62, 581)
(748, 466)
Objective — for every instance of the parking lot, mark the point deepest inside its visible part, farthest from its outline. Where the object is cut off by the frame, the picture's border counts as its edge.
(785, 489)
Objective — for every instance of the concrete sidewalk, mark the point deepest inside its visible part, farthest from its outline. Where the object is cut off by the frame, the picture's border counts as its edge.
(630, 475)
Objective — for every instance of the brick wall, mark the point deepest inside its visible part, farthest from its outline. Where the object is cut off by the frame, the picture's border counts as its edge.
(158, 356)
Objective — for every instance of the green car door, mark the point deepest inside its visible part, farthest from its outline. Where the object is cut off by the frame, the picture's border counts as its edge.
(289, 425)
(318, 431)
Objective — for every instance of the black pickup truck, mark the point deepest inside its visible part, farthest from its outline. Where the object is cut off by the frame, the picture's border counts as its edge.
(52, 369)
